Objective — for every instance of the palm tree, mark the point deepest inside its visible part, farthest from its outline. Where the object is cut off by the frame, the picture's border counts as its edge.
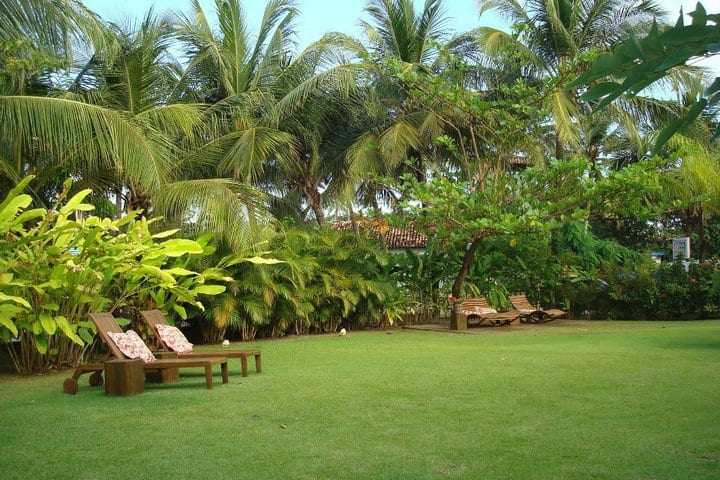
(38, 42)
(390, 130)
(554, 36)
(273, 112)
(399, 33)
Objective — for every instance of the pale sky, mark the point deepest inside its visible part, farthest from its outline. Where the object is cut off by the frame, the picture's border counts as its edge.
(320, 16)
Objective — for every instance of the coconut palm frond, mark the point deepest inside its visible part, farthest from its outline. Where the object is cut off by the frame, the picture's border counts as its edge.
(8, 171)
(341, 79)
(176, 119)
(494, 43)
(91, 135)
(251, 148)
(233, 210)
(395, 142)
(564, 111)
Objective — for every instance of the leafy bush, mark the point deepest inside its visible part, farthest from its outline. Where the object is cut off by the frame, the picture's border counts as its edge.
(57, 268)
(644, 290)
(307, 281)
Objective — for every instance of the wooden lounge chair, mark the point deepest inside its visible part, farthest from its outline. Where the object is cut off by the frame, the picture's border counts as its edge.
(105, 323)
(479, 309)
(530, 314)
(155, 317)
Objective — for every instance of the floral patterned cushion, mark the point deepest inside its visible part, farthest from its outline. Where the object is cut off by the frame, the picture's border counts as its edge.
(132, 345)
(174, 339)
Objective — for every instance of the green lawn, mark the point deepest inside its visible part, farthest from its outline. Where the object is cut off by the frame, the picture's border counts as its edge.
(616, 400)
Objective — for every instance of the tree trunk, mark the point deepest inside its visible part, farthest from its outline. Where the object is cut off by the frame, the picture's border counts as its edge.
(315, 200)
(701, 233)
(118, 203)
(139, 200)
(559, 147)
(467, 263)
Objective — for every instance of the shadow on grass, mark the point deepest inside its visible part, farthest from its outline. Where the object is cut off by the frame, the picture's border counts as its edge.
(690, 343)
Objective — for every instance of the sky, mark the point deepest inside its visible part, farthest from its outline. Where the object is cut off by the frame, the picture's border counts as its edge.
(320, 16)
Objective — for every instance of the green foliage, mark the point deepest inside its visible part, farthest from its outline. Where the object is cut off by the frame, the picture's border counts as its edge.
(58, 265)
(639, 62)
(538, 201)
(308, 281)
(641, 289)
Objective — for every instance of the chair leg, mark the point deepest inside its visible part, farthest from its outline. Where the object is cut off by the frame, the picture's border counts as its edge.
(224, 371)
(258, 363)
(244, 364)
(208, 377)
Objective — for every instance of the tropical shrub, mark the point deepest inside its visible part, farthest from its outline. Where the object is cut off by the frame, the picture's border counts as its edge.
(309, 281)
(57, 268)
(643, 290)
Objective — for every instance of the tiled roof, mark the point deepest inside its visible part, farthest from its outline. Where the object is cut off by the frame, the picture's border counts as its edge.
(394, 237)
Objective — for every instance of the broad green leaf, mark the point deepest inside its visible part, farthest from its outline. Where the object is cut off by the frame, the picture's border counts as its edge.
(48, 323)
(6, 320)
(157, 272)
(15, 299)
(15, 191)
(676, 58)
(210, 289)
(28, 215)
(122, 321)
(180, 271)
(41, 343)
(85, 336)
(13, 207)
(177, 247)
(68, 329)
(600, 90)
(36, 327)
(180, 311)
(165, 234)
(680, 123)
(10, 308)
(75, 203)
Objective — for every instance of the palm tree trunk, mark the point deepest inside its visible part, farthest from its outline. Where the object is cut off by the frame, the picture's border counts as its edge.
(139, 200)
(314, 198)
(118, 202)
(701, 233)
(559, 146)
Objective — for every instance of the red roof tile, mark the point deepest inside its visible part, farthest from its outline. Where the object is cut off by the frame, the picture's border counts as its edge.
(394, 237)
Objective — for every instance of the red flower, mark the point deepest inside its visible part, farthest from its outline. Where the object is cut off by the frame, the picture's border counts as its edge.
(451, 299)
(693, 280)
(663, 296)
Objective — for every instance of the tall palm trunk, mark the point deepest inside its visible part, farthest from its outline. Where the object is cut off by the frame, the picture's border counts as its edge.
(559, 146)
(314, 198)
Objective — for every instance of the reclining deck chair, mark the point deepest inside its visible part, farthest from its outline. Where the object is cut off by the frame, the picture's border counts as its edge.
(530, 314)
(155, 318)
(106, 324)
(479, 308)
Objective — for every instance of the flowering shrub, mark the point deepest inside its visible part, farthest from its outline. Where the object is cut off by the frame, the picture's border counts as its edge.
(653, 293)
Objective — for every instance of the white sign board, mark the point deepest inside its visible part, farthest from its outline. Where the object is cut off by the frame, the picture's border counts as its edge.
(681, 248)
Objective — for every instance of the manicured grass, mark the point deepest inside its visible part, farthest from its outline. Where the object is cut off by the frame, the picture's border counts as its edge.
(609, 400)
